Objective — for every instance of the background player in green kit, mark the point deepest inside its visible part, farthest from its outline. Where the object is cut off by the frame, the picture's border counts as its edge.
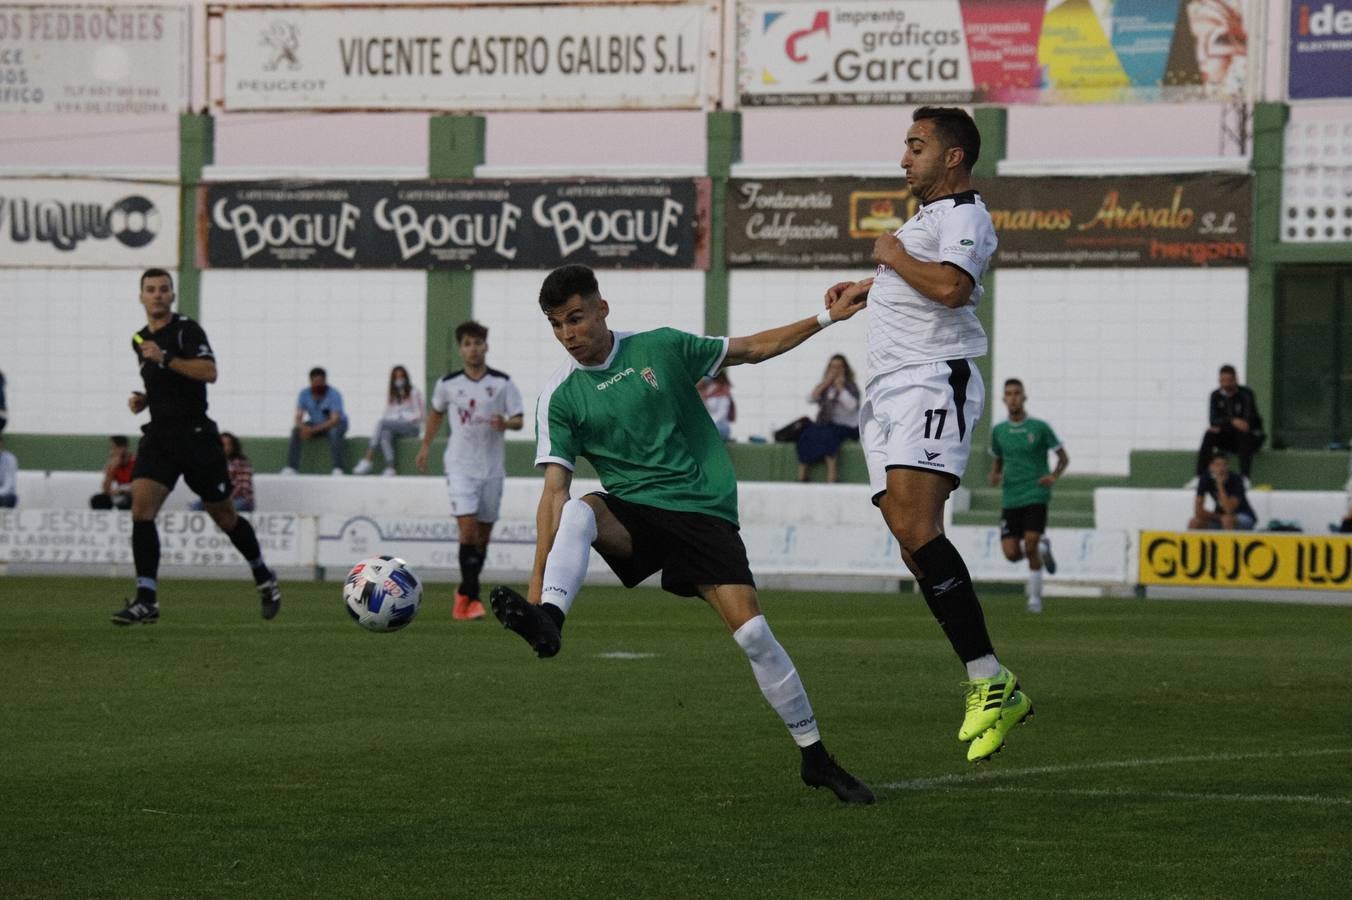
(629, 404)
(1020, 446)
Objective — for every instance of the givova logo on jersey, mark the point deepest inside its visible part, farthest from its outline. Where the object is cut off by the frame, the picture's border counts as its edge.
(613, 379)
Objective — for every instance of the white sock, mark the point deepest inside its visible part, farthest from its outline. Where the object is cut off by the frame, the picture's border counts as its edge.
(778, 680)
(1034, 584)
(983, 667)
(566, 565)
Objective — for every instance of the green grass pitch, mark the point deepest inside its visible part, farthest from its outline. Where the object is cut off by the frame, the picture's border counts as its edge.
(1178, 750)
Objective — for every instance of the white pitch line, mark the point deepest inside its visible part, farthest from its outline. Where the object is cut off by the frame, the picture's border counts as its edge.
(923, 784)
(1125, 794)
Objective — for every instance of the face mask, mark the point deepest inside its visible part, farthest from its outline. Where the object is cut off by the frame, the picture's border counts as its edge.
(400, 383)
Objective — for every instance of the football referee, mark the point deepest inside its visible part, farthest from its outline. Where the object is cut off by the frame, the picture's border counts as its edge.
(176, 366)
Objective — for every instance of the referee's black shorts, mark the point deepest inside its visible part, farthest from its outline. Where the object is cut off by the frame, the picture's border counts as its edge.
(188, 448)
(689, 548)
(1017, 521)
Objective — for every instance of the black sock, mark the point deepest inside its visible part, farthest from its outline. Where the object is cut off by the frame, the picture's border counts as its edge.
(246, 542)
(471, 564)
(814, 753)
(948, 590)
(145, 553)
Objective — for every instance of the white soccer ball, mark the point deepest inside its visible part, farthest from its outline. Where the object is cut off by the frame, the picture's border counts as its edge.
(382, 593)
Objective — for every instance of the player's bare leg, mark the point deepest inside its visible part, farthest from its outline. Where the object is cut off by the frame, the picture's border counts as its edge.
(739, 607)
(913, 508)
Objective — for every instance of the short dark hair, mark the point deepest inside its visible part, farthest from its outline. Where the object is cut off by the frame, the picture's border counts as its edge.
(956, 129)
(239, 448)
(156, 273)
(1009, 381)
(567, 282)
(119, 440)
(1219, 454)
(1228, 369)
(319, 370)
(470, 329)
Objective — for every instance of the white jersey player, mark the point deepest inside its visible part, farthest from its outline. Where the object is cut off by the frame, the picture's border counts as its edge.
(924, 396)
(481, 404)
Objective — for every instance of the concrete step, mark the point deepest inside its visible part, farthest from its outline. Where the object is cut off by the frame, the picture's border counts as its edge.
(1079, 500)
(1057, 518)
(1303, 470)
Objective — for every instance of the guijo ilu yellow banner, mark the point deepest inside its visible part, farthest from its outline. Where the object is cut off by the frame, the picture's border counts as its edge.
(1243, 559)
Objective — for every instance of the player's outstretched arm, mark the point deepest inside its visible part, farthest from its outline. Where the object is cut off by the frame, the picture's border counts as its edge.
(558, 483)
(770, 343)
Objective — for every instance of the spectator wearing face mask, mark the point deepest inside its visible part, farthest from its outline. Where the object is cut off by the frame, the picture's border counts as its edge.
(403, 418)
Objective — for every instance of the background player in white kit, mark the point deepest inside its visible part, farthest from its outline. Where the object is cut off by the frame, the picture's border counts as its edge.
(923, 396)
(482, 404)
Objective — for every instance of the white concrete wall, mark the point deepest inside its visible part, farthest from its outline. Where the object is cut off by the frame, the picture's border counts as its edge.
(774, 393)
(270, 327)
(65, 349)
(1169, 509)
(1114, 359)
(1117, 359)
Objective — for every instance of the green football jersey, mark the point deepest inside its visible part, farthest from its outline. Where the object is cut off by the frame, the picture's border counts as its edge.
(1023, 446)
(639, 420)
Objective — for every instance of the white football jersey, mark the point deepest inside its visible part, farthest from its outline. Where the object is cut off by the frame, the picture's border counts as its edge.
(906, 328)
(476, 448)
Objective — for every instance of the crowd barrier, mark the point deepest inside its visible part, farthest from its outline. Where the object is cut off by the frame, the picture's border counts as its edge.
(330, 543)
(1144, 509)
(793, 533)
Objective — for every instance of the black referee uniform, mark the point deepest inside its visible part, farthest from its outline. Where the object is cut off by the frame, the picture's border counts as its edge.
(181, 441)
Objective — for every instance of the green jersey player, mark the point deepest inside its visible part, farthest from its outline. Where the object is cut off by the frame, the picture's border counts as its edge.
(628, 403)
(1020, 446)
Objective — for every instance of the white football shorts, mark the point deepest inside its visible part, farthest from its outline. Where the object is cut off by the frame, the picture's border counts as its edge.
(478, 497)
(920, 417)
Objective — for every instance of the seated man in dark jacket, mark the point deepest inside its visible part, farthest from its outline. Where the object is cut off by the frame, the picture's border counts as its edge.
(1236, 426)
(1226, 490)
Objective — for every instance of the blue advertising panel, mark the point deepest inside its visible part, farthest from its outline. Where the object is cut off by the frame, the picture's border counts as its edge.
(1320, 51)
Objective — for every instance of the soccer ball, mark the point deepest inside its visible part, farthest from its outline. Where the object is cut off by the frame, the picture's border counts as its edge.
(382, 593)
